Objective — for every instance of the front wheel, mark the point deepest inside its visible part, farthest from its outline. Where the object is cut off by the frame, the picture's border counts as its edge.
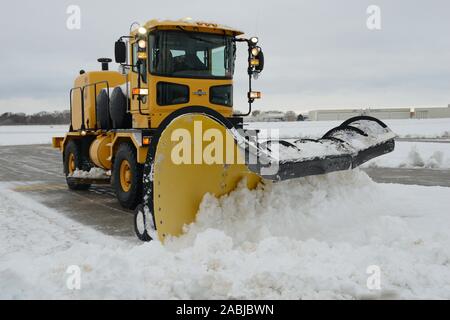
(127, 176)
(141, 222)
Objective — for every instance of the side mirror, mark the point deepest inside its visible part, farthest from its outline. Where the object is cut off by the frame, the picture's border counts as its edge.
(260, 66)
(120, 51)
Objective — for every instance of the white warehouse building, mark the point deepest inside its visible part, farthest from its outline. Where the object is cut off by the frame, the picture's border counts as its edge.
(381, 113)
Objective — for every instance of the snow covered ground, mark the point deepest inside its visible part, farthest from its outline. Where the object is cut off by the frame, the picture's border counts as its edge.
(426, 128)
(308, 238)
(22, 135)
(404, 128)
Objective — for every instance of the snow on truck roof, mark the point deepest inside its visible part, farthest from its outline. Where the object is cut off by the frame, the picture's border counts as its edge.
(191, 25)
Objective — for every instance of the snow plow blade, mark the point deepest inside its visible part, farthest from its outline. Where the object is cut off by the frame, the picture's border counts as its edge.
(354, 142)
(196, 152)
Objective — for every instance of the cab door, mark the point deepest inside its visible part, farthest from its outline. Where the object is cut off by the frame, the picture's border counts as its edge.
(139, 106)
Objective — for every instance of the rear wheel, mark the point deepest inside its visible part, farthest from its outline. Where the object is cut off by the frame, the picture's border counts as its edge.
(120, 117)
(75, 159)
(103, 119)
(127, 176)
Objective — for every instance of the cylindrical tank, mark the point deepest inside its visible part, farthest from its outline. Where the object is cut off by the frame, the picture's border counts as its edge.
(100, 152)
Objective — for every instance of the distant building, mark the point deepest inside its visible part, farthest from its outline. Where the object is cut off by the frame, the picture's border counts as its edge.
(271, 116)
(381, 113)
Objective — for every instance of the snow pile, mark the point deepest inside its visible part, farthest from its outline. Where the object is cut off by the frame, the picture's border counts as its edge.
(93, 173)
(309, 238)
(415, 160)
(415, 155)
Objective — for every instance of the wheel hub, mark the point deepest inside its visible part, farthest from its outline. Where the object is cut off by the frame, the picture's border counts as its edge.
(71, 165)
(125, 176)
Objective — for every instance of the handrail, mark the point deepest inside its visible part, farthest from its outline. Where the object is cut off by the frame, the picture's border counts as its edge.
(95, 97)
(83, 125)
(82, 106)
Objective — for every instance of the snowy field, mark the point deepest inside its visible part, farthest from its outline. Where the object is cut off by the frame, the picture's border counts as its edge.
(22, 135)
(429, 128)
(311, 238)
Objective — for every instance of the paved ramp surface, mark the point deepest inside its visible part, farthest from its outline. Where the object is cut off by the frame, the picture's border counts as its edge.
(37, 171)
(423, 177)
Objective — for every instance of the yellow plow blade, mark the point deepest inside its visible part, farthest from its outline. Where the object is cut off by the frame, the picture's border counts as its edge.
(212, 165)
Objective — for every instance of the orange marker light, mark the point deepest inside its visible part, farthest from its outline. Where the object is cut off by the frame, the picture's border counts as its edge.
(254, 95)
(145, 141)
(140, 92)
(254, 62)
(142, 55)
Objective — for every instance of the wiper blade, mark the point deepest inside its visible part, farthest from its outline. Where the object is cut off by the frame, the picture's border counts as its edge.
(190, 35)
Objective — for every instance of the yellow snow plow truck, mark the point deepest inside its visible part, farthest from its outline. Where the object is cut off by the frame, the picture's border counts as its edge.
(163, 131)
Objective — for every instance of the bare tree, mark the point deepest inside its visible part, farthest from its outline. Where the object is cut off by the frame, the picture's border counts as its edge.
(57, 117)
(256, 113)
(290, 116)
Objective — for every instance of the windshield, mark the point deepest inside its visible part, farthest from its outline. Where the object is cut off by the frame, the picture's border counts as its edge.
(192, 55)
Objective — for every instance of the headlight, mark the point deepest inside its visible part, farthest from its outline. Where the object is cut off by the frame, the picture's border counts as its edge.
(256, 51)
(142, 31)
(254, 40)
(142, 44)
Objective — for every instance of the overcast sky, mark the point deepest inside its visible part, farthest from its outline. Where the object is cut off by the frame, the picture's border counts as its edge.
(319, 53)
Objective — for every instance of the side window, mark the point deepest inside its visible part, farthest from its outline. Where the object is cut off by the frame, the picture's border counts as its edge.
(171, 93)
(203, 57)
(222, 95)
(143, 62)
(177, 53)
(218, 62)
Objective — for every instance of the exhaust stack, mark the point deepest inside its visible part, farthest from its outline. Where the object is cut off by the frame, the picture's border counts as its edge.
(105, 63)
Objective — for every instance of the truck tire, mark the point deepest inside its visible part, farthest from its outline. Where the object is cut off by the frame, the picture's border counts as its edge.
(103, 119)
(75, 158)
(120, 117)
(127, 176)
(140, 224)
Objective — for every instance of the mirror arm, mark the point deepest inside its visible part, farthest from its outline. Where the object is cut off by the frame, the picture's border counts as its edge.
(126, 65)
(138, 67)
(250, 73)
